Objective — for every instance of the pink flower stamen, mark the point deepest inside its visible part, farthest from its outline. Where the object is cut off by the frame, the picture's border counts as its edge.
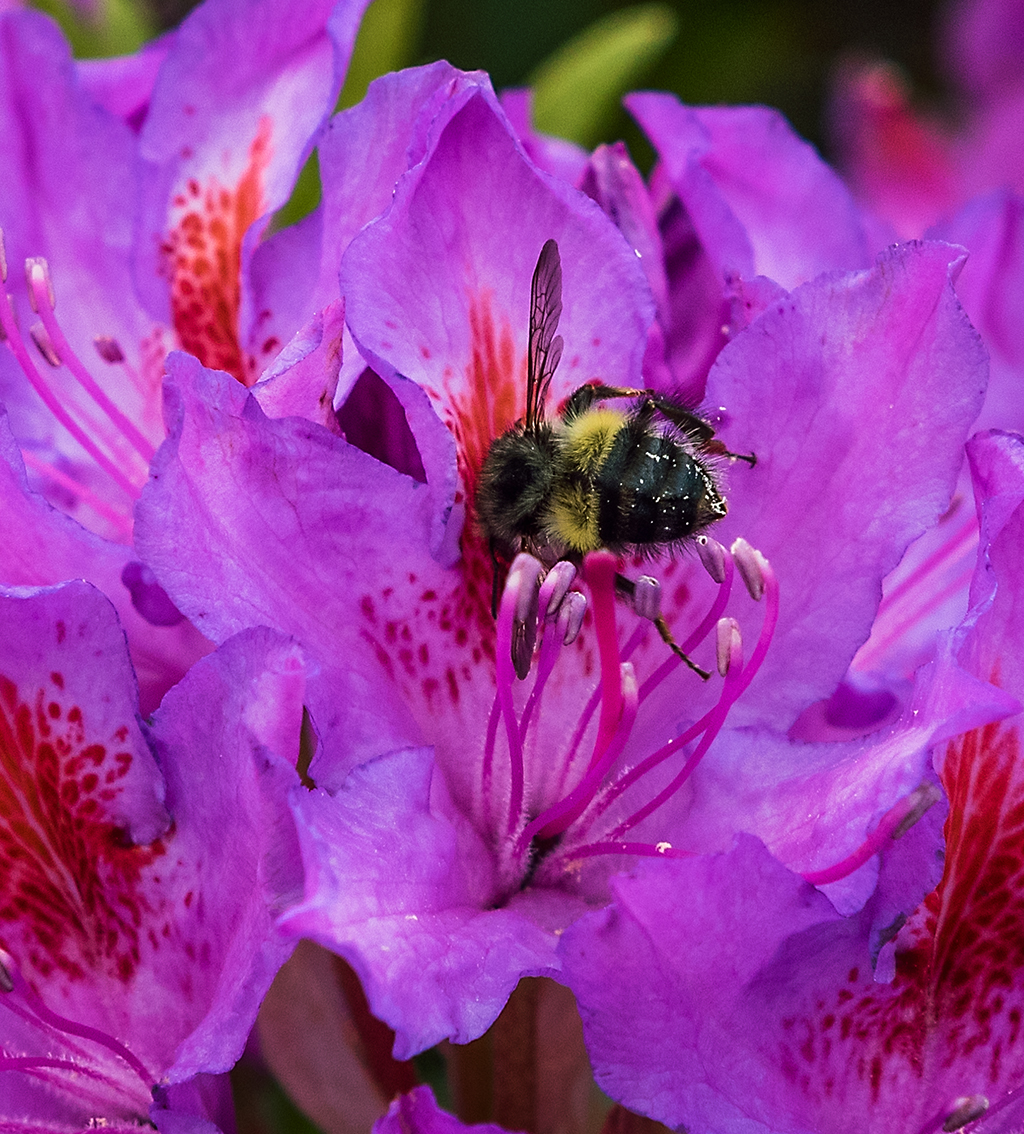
(639, 850)
(561, 816)
(54, 347)
(737, 679)
(617, 694)
(702, 631)
(600, 569)
(40, 290)
(18, 997)
(517, 603)
(713, 722)
(118, 519)
(555, 617)
(902, 815)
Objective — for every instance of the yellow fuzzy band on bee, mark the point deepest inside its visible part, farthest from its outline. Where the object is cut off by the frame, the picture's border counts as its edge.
(572, 519)
(586, 442)
(584, 445)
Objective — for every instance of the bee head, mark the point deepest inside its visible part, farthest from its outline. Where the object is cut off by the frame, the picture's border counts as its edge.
(515, 484)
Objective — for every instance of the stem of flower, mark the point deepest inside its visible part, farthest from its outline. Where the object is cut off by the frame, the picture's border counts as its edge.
(515, 1059)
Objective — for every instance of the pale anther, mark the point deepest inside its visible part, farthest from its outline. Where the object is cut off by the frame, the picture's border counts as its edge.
(108, 349)
(921, 799)
(554, 588)
(44, 344)
(728, 642)
(3, 257)
(965, 1110)
(749, 561)
(523, 586)
(712, 555)
(524, 576)
(647, 598)
(570, 615)
(37, 276)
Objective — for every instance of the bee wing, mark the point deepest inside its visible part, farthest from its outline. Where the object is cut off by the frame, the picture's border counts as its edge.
(545, 347)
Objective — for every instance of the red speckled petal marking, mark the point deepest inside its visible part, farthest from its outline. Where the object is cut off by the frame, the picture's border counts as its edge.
(69, 896)
(203, 257)
(949, 1025)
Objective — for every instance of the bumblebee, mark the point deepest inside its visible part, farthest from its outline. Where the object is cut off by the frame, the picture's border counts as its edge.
(636, 482)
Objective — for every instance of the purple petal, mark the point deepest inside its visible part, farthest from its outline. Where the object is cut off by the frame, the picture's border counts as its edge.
(233, 115)
(418, 1113)
(68, 195)
(201, 1106)
(124, 85)
(366, 149)
(989, 287)
(44, 547)
(994, 649)
(233, 725)
(814, 804)
(762, 200)
(303, 379)
(140, 910)
(403, 894)
(362, 153)
(662, 993)
(856, 394)
(49, 704)
(562, 159)
(289, 526)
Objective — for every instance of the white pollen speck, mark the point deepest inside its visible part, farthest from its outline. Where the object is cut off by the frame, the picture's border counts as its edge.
(662, 847)
(412, 917)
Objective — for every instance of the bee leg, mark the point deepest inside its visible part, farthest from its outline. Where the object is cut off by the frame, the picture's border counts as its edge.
(720, 450)
(666, 637)
(583, 398)
(700, 431)
(644, 597)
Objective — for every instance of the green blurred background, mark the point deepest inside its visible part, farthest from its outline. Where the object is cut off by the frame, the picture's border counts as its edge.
(586, 52)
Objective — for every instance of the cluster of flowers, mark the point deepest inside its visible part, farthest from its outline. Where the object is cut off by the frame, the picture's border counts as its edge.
(251, 687)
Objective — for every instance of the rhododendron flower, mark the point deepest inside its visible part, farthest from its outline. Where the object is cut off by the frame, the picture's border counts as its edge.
(143, 866)
(136, 237)
(462, 819)
(753, 1006)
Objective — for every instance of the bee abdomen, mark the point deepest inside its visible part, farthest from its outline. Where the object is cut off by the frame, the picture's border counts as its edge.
(651, 490)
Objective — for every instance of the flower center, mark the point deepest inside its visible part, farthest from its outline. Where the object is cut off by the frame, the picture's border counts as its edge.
(606, 809)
